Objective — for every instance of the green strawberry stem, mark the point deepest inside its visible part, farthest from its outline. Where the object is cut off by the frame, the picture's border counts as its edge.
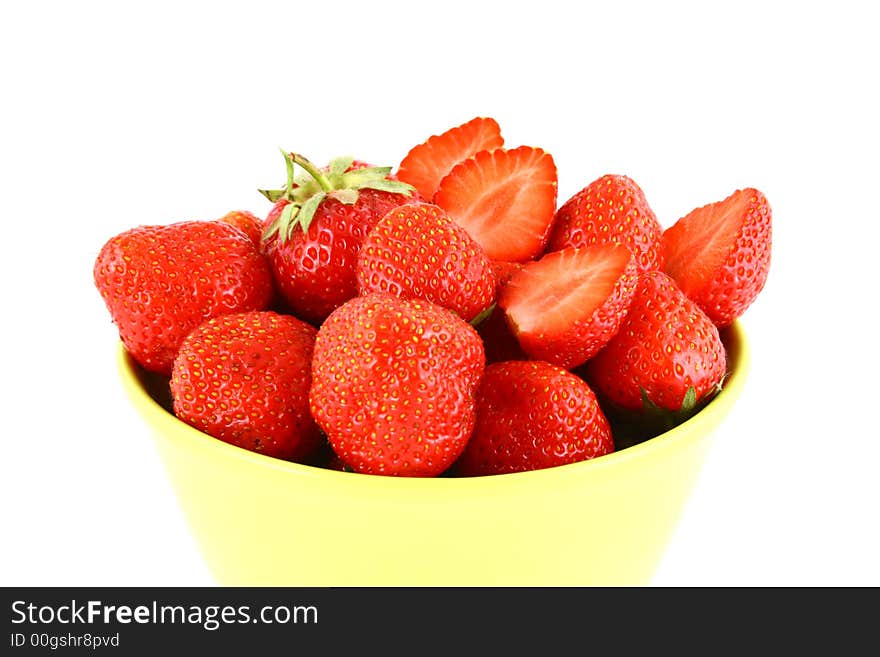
(288, 163)
(289, 191)
(311, 169)
(304, 196)
(632, 427)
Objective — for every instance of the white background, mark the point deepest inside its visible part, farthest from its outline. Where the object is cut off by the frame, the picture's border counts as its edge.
(120, 114)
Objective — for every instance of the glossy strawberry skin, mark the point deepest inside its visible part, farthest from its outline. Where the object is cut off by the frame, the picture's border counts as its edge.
(665, 346)
(725, 287)
(533, 415)
(315, 271)
(393, 385)
(161, 282)
(244, 378)
(246, 221)
(611, 209)
(504, 270)
(417, 252)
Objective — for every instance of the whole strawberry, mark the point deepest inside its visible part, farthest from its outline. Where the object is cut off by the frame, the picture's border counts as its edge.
(161, 282)
(417, 252)
(612, 209)
(719, 254)
(393, 384)
(317, 226)
(667, 354)
(245, 379)
(247, 221)
(533, 415)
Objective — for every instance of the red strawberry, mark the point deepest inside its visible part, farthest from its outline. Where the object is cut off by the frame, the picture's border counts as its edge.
(161, 282)
(566, 306)
(336, 463)
(247, 221)
(417, 252)
(505, 199)
(426, 164)
(612, 209)
(667, 351)
(393, 384)
(504, 271)
(719, 254)
(245, 379)
(533, 415)
(317, 227)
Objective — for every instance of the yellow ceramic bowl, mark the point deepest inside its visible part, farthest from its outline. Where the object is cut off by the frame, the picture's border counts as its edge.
(262, 521)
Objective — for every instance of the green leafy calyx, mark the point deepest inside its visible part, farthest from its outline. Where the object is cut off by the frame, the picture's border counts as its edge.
(306, 191)
(690, 405)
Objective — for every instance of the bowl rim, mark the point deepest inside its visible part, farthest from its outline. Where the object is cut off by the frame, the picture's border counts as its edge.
(692, 430)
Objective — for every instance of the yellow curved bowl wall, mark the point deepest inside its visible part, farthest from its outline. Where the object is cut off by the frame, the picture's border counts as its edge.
(261, 521)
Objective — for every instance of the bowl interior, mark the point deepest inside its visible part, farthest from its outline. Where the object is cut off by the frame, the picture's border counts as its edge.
(149, 394)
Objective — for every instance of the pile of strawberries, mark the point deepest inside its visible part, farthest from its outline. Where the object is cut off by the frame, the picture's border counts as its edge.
(446, 318)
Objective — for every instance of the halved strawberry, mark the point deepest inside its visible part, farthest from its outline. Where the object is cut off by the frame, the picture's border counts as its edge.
(719, 254)
(505, 199)
(426, 164)
(566, 306)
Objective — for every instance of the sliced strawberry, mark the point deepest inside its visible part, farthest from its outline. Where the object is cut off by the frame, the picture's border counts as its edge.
(719, 254)
(426, 164)
(566, 306)
(505, 199)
